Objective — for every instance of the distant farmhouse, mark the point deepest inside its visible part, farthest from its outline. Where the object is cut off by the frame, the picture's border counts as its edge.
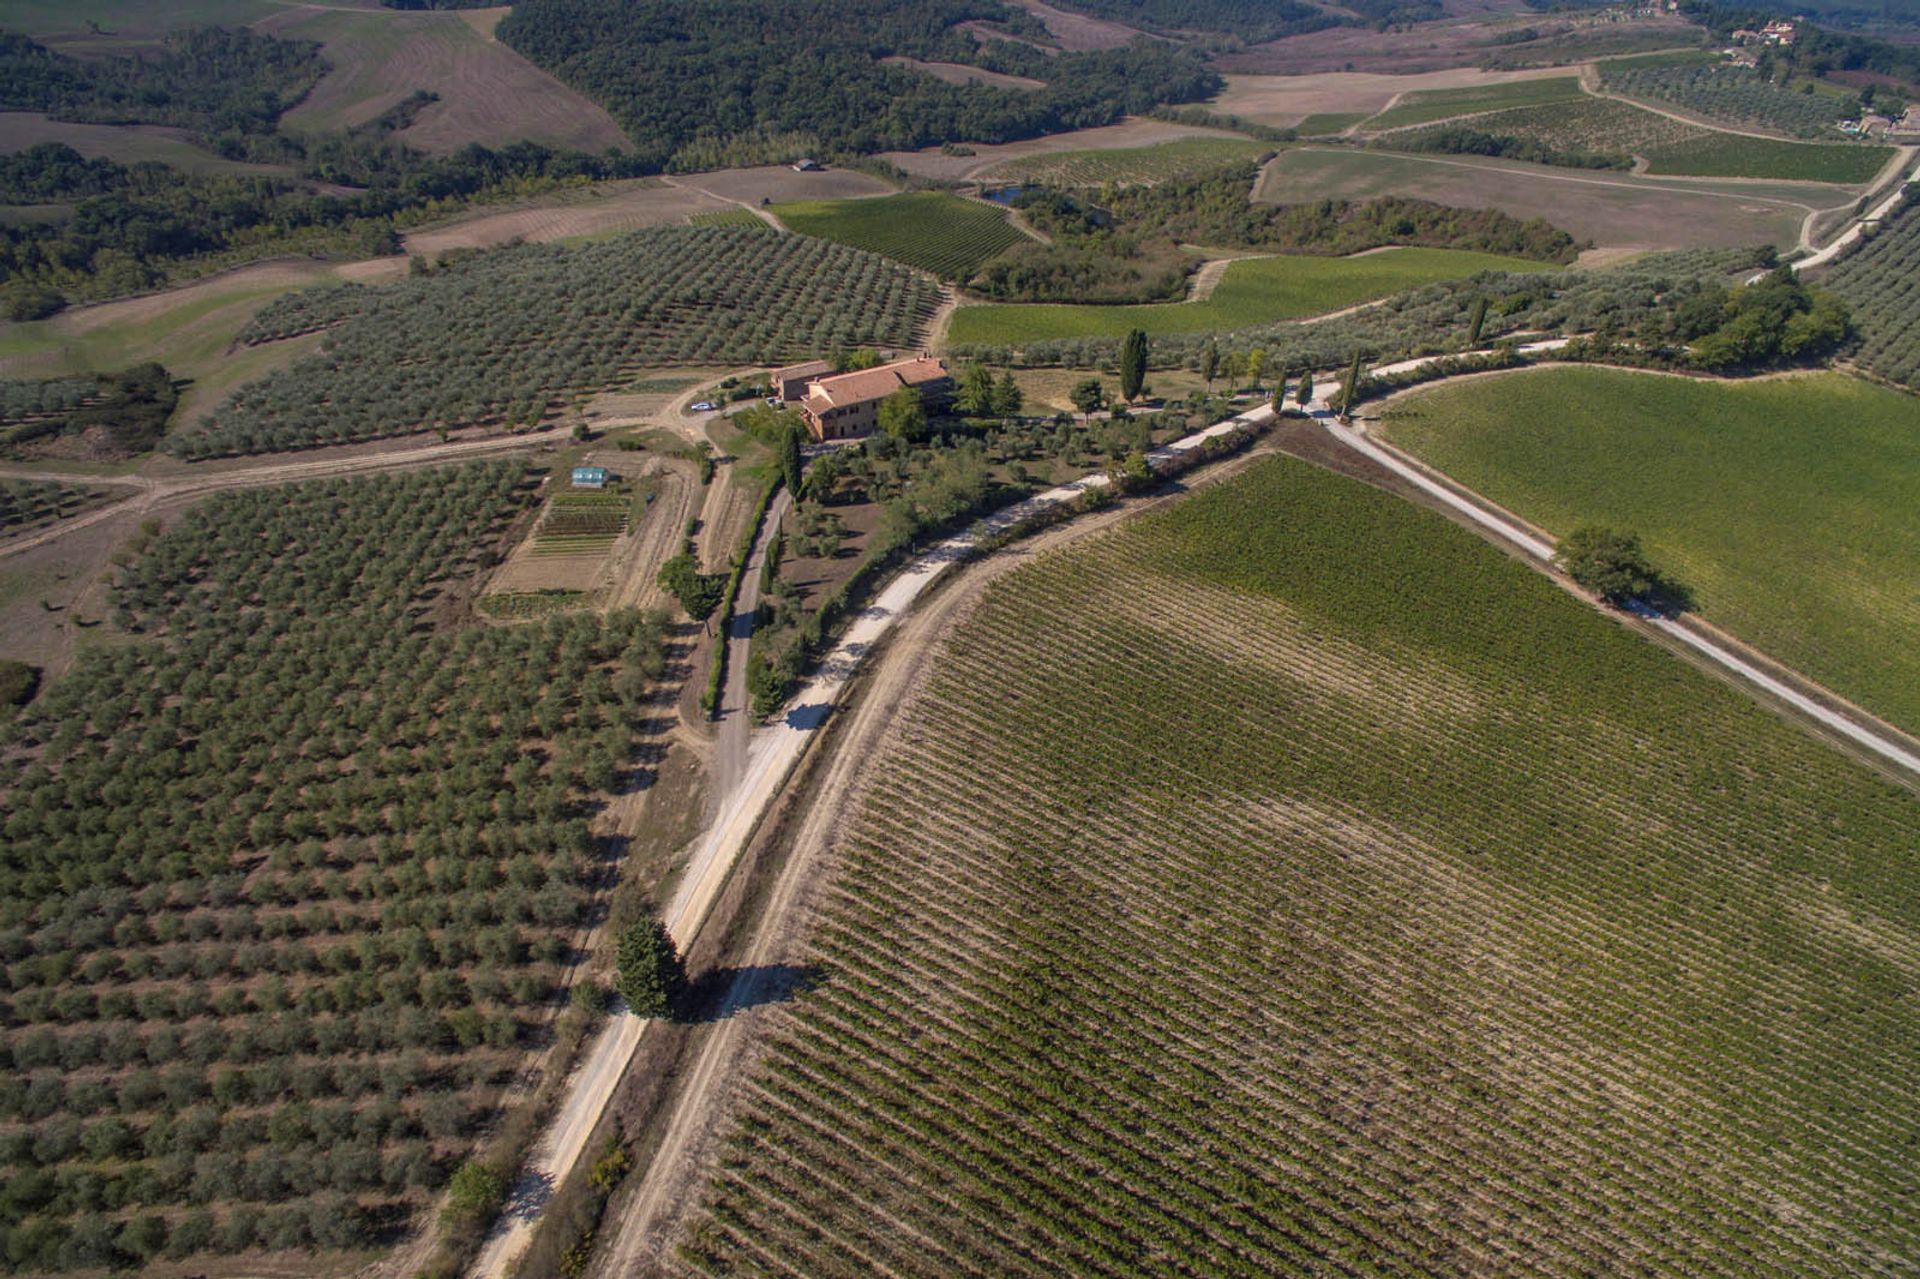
(846, 406)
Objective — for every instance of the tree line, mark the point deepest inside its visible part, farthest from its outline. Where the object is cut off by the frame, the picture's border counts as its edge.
(805, 75)
(208, 79)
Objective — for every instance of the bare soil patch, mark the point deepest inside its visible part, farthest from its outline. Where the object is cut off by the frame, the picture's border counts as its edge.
(1076, 32)
(488, 93)
(1458, 43)
(603, 209)
(961, 73)
(1133, 132)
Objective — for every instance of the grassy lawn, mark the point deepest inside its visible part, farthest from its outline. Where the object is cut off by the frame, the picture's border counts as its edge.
(1727, 155)
(1791, 507)
(1254, 291)
(931, 230)
(1325, 893)
(1427, 105)
(1129, 164)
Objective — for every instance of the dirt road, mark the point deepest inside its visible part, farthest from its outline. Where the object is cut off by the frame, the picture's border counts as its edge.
(729, 763)
(771, 757)
(152, 491)
(1879, 211)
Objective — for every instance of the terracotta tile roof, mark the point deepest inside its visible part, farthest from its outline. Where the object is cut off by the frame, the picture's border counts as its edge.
(875, 383)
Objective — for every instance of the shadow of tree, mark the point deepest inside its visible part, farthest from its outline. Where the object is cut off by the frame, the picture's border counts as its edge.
(719, 993)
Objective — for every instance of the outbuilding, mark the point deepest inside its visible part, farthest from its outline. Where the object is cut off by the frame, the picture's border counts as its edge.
(589, 477)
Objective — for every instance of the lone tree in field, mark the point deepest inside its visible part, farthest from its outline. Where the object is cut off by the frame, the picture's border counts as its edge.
(1303, 394)
(790, 458)
(1088, 396)
(652, 975)
(904, 416)
(1133, 364)
(1608, 562)
(1210, 362)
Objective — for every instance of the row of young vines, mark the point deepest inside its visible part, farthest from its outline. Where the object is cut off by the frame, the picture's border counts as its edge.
(1322, 893)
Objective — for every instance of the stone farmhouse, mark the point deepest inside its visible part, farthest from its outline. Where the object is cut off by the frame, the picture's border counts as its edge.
(846, 406)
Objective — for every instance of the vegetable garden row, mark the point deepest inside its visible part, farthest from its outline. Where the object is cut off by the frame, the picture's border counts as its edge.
(1324, 894)
(288, 881)
(501, 337)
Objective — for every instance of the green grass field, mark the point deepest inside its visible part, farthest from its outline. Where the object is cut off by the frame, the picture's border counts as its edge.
(931, 230)
(1323, 123)
(1254, 291)
(192, 333)
(1791, 507)
(1324, 893)
(123, 20)
(1727, 155)
(1428, 105)
(725, 217)
(1155, 163)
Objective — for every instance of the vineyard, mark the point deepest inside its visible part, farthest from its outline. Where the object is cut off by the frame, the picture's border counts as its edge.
(28, 504)
(1786, 506)
(1425, 106)
(1601, 127)
(289, 879)
(1736, 95)
(1324, 893)
(1881, 283)
(1183, 157)
(726, 217)
(1253, 291)
(934, 231)
(499, 337)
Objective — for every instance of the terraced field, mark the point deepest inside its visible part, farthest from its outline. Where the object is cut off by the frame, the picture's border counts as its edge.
(1323, 893)
(1788, 506)
(934, 231)
(1253, 291)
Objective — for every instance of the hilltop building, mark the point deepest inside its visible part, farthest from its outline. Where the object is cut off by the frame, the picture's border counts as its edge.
(846, 406)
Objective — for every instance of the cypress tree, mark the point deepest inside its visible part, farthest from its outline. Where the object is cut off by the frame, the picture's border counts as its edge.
(652, 974)
(1352, 385)
(790, 459)
(1133, 364)
(1210, 362)
(1304, 392)
(1478, 322)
